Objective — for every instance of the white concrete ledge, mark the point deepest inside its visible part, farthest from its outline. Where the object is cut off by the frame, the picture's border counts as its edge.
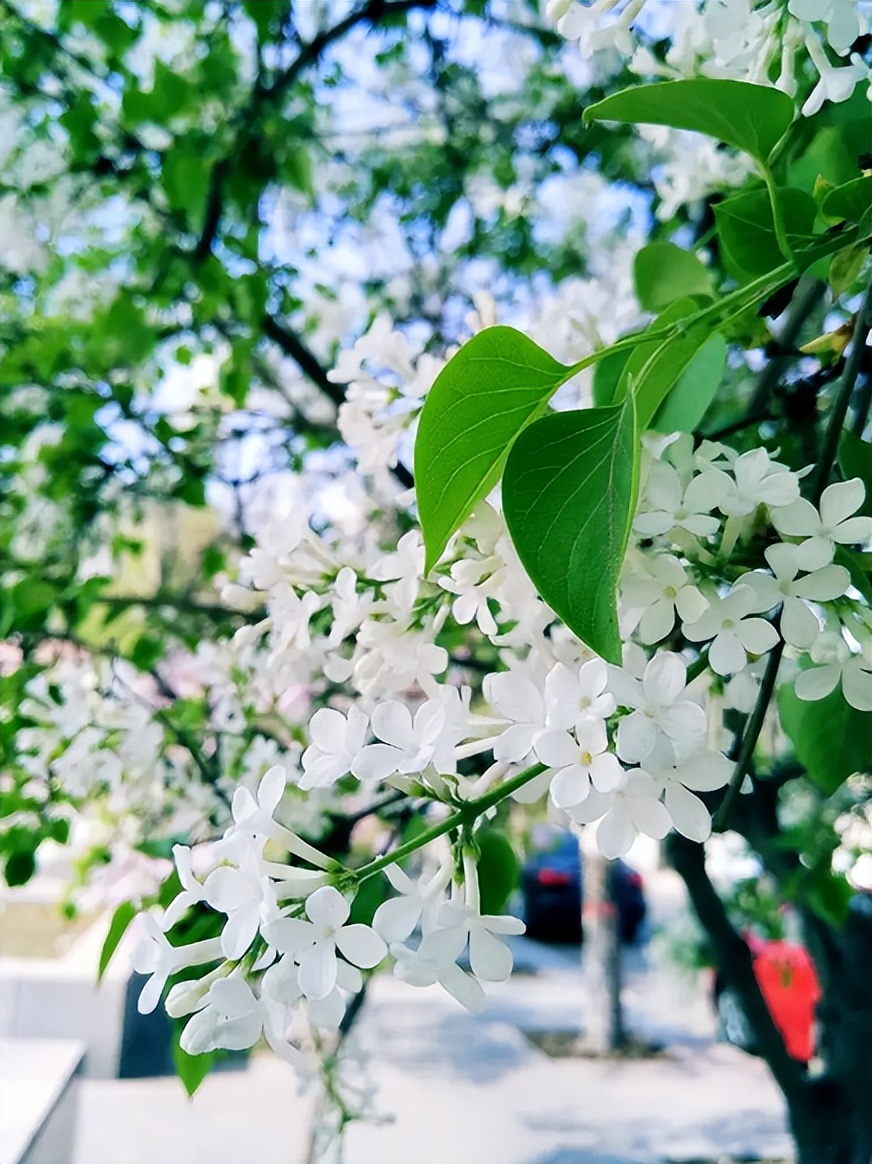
(38, 1099)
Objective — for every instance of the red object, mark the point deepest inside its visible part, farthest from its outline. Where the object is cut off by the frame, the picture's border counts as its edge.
(790, 986)
(553, 877)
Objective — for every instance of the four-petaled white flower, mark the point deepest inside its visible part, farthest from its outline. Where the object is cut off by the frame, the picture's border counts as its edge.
(754, 479)
(153, 955)
(579, 762)
(575, 696)
(336, 743)
(631, 809)
(490, 959)
(798, 624)
(667, 504)
(735, 634)
(418, 901)
(658, 709)
(409, 745)
(230, 1016)
(833, 525)
(313, 943)
(704, 771)
(248, 897)
(518, 699)
(661, 594)
(835, 664)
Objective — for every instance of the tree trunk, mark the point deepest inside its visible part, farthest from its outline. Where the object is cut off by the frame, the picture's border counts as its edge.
(830, 1114)
(604, 1031)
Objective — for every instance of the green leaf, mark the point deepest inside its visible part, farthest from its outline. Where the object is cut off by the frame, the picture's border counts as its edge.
(688, 402)
(855, 460)
(569, 492)
(663, 272)
(753, 118)
(656, 365)
(20, 867)
(607, 375)
(828, 766)
(746, 230)
(497, 384)
(121, 919)
(845, 268)
(191, 1069)
(368, 898)
(499, 869)
(850, 202)
(185, 178)
(859, 566)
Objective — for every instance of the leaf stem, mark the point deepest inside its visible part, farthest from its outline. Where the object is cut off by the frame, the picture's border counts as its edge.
(777, 217)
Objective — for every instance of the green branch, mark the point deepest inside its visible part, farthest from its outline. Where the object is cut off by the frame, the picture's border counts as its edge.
(470, 811)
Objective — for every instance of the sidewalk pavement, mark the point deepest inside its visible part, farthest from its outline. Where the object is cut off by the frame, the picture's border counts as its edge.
(454, 1088)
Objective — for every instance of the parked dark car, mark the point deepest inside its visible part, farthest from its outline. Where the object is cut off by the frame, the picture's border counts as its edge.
(552, 884)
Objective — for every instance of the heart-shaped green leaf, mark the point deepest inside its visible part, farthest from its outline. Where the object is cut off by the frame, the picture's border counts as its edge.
(688, 401)
(493, 388)
(753, 118)
(663, 272)
(569, 492)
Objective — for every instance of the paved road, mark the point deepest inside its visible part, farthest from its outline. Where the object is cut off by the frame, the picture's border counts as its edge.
(459, 1089)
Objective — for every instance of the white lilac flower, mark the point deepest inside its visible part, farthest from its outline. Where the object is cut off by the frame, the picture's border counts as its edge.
(704, 771)
(475, 582)
(429, 966)
(624, 813)
(230, 1016)
(518, 699)
(833, 525)
(579, 762)
(349, 608)
(575, 695)
(733, 631)
(842, 18)
(418, 901)
(835, 664)
(153, 955)
(336, 743)
(798, 624)
(193, 889)
(661, 594)
(668, 505)
(281, 983)
(404, 569)
(409, 746)
(391, 656)
(657, 709)
(754, 479)
(247, 896)
(836, 82)
(490, 959)
(314, 943)
(289, 617)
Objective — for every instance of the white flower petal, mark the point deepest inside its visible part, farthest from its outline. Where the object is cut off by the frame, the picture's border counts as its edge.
(327, 908)
(606, 773)
(726, 654)
(361, 945)
(489, 957)
(569, 787)
(615, 833)
(840, 500)
(757, 635)
(396, 918)
(817, 682)
(689, 815)
(317, 973)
